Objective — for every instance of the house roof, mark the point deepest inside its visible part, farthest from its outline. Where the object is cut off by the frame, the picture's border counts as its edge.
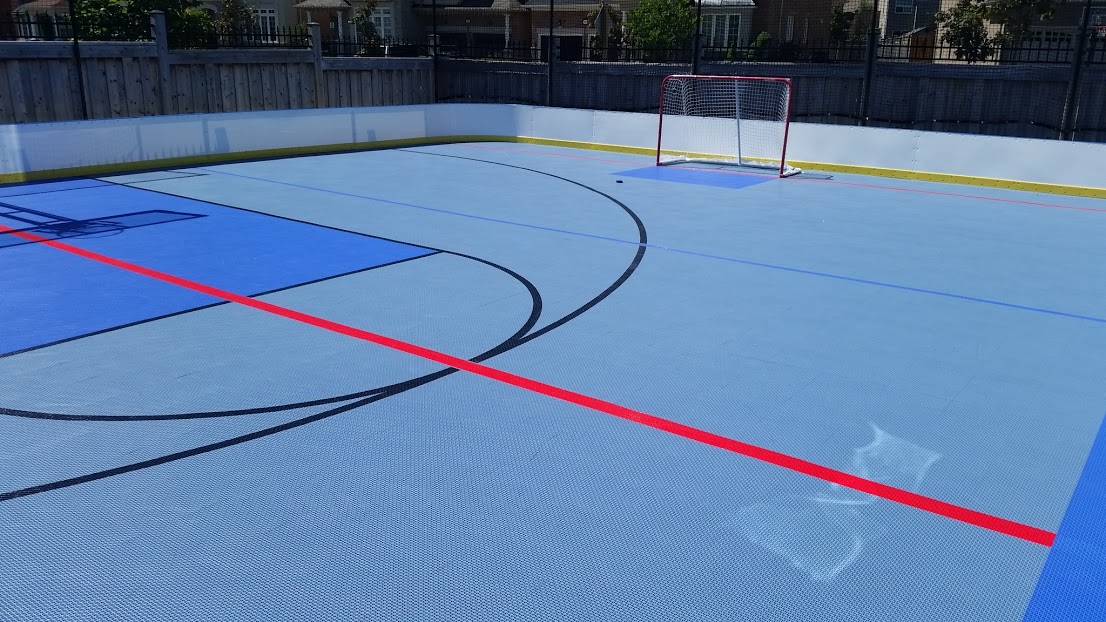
(44, 6)
(711, 4)
(511, 6)
(499, 6)
(580, 5)
(323, 4)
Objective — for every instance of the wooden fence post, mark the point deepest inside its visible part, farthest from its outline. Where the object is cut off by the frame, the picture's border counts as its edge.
(322, 95)
(161, 39)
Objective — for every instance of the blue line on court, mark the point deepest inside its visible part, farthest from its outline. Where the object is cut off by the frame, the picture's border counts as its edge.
(1072, 585)
(49, 297)
(746, 262)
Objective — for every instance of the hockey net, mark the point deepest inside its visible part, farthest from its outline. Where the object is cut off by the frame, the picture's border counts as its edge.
(733, 120)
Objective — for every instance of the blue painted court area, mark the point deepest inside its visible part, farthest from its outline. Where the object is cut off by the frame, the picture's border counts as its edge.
(1071, 586)
(604, 391)
(712, 177)
(52, 296)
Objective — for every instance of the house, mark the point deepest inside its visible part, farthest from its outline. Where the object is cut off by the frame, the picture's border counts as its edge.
(500, 28)
(805, 22)
(520, 29)
(897, 17)
(36, 19)
(393, 19)
(39, 7)
(1049, 41)
(726, 25)
(7, 29)
(573, 26)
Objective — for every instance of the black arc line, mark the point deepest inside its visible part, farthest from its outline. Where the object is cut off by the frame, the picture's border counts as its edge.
(384, 392)
(531, 320)
(502, 347)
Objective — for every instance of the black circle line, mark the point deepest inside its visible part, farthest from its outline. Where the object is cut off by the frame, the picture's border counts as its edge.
(531, 320)
(643, 240)
(520, 336)
(396, 390)
(535, 308)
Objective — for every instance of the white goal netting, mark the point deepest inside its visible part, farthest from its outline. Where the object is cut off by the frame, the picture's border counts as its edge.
(725, 119)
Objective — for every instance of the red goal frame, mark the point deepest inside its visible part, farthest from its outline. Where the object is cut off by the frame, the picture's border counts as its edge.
(786, 119)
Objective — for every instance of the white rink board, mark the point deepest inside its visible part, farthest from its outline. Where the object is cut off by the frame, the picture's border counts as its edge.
(30, 148)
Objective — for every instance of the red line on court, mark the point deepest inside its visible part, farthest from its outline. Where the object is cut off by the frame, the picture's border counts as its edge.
(808, 181)
(898, 495)
(951, 194)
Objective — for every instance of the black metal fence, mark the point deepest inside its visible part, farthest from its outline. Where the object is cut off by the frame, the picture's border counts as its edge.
(50, 27)
(389, 48)
(590, 54)
(39, 27)
(595, 55)
(571, 48)
(218, 37)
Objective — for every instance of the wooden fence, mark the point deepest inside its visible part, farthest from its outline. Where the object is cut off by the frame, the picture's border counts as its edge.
(39, 81)
(1023, 100)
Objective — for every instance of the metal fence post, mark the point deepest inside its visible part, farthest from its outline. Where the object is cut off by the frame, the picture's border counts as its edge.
(549, 54)
(697, 46)
(161, 41)
(322, 96)
(75, 25)
(870, 53)
(1071, 99)
(434, 49)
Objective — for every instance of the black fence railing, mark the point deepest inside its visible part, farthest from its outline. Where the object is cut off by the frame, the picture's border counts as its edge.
(1049, 84)
(572, 46)
(395, 49)
(217, 37)
(49, 27)
(44, 27)
(888, 50)
(495, 52)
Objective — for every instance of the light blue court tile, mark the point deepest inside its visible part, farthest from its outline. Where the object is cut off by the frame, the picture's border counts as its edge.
(718, 179)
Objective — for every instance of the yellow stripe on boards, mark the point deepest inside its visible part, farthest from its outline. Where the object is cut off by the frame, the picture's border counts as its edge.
(219, 158)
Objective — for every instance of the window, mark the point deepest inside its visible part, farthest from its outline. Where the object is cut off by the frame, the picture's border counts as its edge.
(28, 26)
(1098, 17)
(904, 6)
(1049, 39)
(382, 20)
(267, 22)
(722, 31)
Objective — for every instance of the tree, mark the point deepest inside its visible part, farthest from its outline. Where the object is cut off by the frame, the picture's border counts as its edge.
(608, 40)
(965, 25)
(129, 20)
(661, 27)
(963, 28)
(1016, 16)
(790, 51)
(366, 29)
(237, 16)
(756, 49)
(841, 24)
(862, 20)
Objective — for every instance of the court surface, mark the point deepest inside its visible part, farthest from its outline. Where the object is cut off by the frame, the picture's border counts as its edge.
(500, 381)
